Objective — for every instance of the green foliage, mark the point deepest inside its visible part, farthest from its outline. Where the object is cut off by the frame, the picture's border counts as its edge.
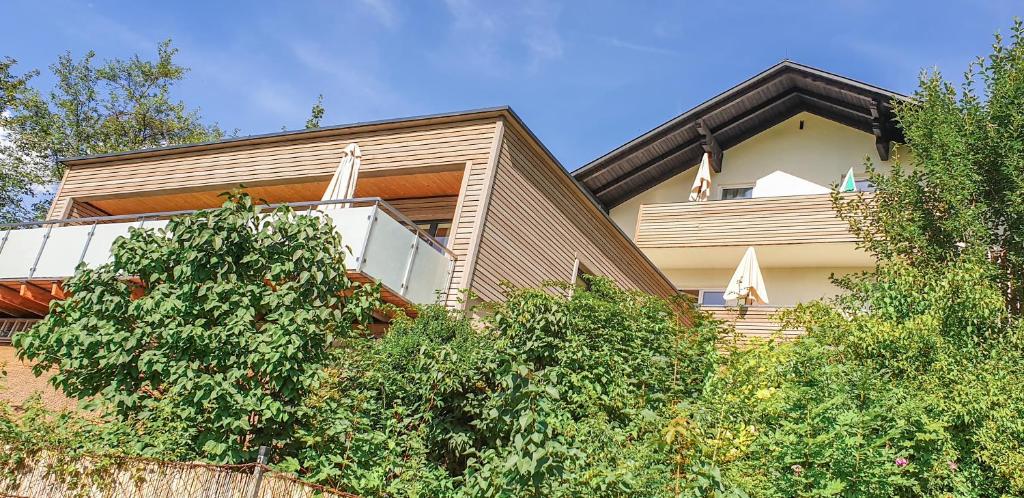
(238, 311)
(316, 113)
(19, 172)
(548, 396)
(958, 187)
(909, 384)
(115, 106)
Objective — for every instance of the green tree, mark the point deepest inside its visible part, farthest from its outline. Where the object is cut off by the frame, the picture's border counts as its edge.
(20, 171)
(218, 325)
(957, 190)
(909, 384)
(113, 106)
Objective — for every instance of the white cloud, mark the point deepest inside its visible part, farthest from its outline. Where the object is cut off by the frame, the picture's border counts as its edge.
(383, 10)
(636, 47)
(351, 84)
(499, 39)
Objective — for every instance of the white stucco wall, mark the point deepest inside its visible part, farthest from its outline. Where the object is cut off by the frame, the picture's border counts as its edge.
(785, 286)
(783, 160)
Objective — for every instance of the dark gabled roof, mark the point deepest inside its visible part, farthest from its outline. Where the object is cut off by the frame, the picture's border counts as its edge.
(767, 99)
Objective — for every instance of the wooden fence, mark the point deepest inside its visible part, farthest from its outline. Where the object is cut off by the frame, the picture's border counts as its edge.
(146, 478)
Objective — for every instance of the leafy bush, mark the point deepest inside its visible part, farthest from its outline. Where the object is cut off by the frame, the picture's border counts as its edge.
(910, 384)
(223, 330)
(894, 392)
(549, 396)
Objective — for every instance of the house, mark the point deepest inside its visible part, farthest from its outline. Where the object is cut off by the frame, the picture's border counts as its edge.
(446, 203)
(777, 144)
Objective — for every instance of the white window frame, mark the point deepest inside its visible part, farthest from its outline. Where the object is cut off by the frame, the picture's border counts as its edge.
(700, 296)
(580, 266)
(722, 188)
(857, 179)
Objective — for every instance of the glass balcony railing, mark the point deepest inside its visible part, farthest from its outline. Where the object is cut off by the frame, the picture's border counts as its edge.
(383, 245)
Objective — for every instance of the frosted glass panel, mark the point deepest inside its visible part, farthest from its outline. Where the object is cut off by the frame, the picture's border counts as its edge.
(352, 223)
(20, 251)
(428, 276)
(62, 250)
(388, 251)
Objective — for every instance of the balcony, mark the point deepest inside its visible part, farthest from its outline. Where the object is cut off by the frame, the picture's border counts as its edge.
(385, 246)
(753, 325)
(794, 231)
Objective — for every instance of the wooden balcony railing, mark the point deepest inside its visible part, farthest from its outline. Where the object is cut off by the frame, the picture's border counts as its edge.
(756, 323)
(741, 222)
(11, 326)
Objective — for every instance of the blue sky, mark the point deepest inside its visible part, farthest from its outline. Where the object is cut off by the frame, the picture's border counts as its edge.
(585, 76)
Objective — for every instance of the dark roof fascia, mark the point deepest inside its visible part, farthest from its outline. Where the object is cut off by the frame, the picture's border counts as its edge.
(731, 94)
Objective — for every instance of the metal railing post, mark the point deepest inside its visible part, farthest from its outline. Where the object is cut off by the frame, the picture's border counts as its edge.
(261, 461)
(408, 265)
(39, 255)
(4, 241)
(448, 280)
(88, 240)
(361, 259)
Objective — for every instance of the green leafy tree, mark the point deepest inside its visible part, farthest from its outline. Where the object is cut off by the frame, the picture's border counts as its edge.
(909, 384)
(114, 106)
(20, 172)
(220, 324)
(957, 190)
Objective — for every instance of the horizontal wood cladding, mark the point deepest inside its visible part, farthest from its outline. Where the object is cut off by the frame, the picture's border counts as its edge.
(538, 222)
(298, 159)
(761, 221)
(756, 324)
(427, 208)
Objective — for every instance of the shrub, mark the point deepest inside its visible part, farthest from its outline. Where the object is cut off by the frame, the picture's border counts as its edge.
(549, 396)
(237, 311)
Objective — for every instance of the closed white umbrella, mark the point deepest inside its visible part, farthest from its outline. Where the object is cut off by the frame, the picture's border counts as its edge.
(343, 183)
(702, 183)
(747, 282)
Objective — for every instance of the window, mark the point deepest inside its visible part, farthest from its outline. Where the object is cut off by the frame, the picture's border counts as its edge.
(578, 271)
(712, 298)
(438, 229)
(730, 193)
(865, 186)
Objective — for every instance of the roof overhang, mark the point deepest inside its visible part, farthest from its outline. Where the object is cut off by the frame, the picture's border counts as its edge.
(735, 115)
(285, 136)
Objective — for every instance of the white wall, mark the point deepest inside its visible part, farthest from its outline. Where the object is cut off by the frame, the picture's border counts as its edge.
(782, 160)
(785, 286)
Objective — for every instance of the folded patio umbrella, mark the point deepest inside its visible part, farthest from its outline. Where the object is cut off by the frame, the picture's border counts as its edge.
(747, 282)
(343, 183)
(849, 183)
(702, 184)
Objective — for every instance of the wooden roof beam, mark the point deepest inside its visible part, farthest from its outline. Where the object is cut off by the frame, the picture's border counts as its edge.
(780, 99)
(660, 158)
(34, 293)
(880, 128)
(13, 299)
(710, 145)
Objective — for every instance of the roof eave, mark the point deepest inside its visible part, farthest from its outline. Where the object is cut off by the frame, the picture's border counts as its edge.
(285, 135)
